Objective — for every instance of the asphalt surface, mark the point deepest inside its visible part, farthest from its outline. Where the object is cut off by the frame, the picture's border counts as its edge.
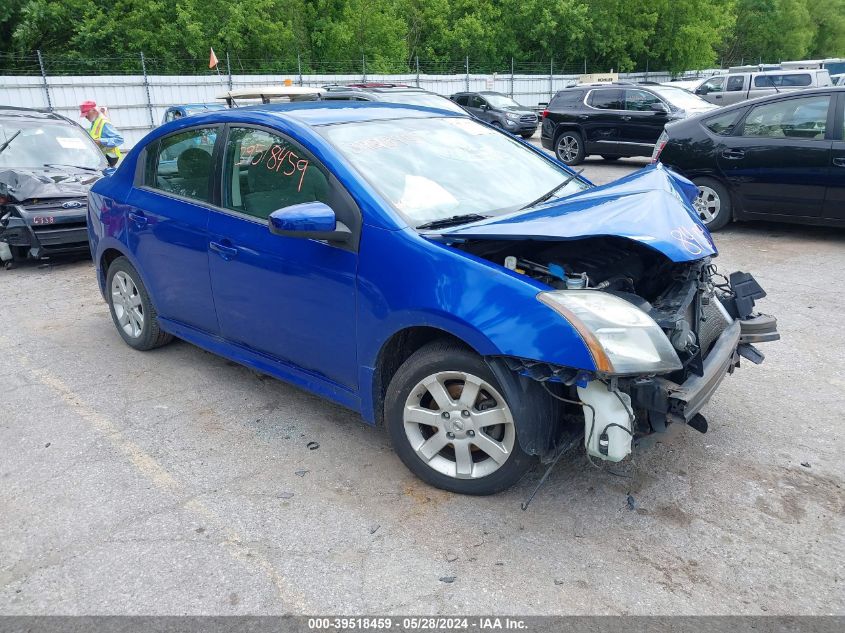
(175, 482)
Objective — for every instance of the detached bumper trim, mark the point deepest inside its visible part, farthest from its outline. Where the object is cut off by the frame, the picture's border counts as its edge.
(686, 400)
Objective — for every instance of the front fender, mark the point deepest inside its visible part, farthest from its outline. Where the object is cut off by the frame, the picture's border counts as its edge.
(405, 280)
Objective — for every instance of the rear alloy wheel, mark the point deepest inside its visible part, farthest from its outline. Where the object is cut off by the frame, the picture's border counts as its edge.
(450, 424)
(569, 148)
(131, 309)
(713, 203)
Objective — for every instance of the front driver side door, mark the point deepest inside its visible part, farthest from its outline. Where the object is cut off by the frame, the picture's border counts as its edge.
(288, 298)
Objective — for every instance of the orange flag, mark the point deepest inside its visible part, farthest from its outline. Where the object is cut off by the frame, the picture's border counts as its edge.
(213, 61)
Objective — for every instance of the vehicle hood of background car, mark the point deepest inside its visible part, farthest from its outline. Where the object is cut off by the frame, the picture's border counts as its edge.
(25, 184)
(651, 206)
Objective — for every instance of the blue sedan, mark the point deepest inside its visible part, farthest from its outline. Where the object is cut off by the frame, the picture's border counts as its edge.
(429, 272)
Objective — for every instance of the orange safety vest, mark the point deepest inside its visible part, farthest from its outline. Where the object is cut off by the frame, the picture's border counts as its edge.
(96, 132)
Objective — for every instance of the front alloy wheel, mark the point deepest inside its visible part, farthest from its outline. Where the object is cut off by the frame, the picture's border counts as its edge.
(450, 423)
(459, 425)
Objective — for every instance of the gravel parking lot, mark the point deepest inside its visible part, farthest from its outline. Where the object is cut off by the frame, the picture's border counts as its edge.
(176, 482)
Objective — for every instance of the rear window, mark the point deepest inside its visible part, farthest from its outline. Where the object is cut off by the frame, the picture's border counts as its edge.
(567, 99)
(783, 81)
(724, 123)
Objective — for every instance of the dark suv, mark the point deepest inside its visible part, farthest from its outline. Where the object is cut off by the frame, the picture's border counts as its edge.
(613, 120)
(391, 93)
(500, 110)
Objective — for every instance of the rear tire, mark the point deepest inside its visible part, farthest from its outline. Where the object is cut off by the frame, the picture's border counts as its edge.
(457, 440)
(713, 203)
(569, 148)
(131, 310)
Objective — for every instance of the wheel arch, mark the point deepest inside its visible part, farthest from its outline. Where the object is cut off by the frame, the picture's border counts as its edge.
(398, 348)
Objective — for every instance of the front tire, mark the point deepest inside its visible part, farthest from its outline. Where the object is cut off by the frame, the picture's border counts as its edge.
(131, 310)
(569, 148)
(450, 424)
(713, 203)
(527, 135)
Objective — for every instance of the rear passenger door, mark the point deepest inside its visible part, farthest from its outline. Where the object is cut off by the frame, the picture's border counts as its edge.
(167, 223)
(603, 120)
(292, 299)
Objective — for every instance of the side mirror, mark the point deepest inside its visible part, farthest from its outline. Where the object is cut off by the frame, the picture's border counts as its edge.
(660, 107)
(484, 107)
(309, 220)
(108, 171)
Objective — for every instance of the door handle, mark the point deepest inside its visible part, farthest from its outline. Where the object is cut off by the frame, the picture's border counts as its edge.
(733, 154)
(226, 252)
(138, 218)
(625, 117)
(839, 162)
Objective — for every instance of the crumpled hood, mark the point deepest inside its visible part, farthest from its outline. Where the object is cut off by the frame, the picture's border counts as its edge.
(24, 184)
(652, 206)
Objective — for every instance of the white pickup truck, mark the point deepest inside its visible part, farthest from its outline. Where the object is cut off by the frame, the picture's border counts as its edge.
(736, 87)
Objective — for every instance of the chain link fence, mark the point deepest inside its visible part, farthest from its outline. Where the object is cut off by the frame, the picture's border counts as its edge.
(138, 89)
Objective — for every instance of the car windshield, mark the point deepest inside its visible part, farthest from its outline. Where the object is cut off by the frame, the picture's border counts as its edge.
(40, 143)
(435, 168)
(682, 99)
(501, 101)
(426, 99)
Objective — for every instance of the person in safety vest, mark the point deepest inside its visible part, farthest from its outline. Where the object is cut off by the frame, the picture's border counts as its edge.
(102, 131)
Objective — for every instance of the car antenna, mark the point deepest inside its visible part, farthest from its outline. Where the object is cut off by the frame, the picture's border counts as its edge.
(772, 81)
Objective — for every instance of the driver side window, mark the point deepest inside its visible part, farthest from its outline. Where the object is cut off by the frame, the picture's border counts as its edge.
(264, 172)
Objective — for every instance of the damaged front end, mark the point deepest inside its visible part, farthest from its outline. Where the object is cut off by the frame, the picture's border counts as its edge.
(662, 325)
(43, 213)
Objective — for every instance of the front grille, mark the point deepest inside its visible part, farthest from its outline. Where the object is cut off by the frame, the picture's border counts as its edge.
(528, 118)
(710, 326)
(61, 235)
(55, 204)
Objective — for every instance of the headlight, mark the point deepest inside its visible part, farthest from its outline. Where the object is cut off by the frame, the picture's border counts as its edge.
(621, 338)
(512, 117)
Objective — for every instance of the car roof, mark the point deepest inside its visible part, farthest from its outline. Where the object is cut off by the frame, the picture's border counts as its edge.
(372, 87)
(315, 113)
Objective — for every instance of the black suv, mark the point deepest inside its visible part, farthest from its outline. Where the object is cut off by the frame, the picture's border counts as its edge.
(613, 120)
(500, 110)
(47, 165)
(390, 93)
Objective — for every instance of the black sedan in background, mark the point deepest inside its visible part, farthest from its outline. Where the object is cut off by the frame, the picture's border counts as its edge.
(780, 158)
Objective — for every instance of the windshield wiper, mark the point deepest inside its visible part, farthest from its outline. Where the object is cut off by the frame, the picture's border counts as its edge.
(549, 194)
(455, 219)
(69, 165)
(6, 144)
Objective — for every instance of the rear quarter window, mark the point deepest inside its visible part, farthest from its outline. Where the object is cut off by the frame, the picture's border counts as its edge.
(567, 99)
(723, 124)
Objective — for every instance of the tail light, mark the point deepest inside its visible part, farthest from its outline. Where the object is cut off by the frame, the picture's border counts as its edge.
(658, 147)
(545, 113)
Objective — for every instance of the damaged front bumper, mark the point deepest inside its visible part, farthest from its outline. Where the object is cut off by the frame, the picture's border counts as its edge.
(49, 228)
